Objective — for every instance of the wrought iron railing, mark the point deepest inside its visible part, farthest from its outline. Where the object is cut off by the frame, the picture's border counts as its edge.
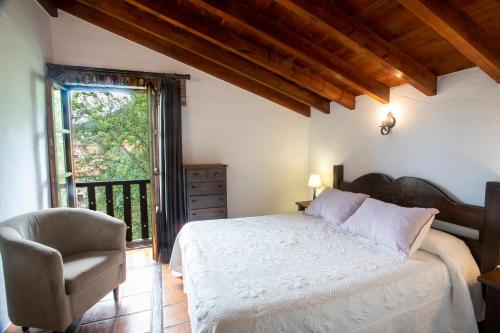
(105, 201)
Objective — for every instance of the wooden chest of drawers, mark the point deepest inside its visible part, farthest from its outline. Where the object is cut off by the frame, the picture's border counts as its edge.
(205, 191)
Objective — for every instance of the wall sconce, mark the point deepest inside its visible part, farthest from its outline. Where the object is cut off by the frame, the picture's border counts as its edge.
(387, 124)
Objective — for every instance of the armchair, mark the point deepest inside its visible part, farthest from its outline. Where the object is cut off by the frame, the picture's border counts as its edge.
(58, 263)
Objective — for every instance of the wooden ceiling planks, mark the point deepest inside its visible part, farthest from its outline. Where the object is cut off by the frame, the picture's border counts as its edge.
(172, 12)
(458, 28)
(297, 45)
(172, 34)
(359, 37)
(151, 41)
(307, 53)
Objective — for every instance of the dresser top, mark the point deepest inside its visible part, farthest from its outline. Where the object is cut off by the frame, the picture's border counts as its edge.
(204, 165)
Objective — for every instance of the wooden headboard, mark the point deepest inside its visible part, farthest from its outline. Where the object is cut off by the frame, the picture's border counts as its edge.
(416, 192)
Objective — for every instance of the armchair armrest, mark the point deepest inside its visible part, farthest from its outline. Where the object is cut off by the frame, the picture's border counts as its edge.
(34, 280)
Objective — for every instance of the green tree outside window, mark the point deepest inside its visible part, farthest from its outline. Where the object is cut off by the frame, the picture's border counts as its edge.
(111, 142)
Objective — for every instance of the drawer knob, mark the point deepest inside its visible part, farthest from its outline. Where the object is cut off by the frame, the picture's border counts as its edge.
(193, 201)
(221, 187)
(193, 186)
(195, 174)
(194, 214)
(216, 173)
(221, 212)
(221, 199)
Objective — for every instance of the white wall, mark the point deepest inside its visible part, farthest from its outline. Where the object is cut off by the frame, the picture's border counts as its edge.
(265, 145)
(24, 48)
(452, 139)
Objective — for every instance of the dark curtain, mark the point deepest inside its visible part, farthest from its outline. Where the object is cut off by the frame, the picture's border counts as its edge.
(171, 214)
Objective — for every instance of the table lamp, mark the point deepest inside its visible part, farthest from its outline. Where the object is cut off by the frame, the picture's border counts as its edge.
(314, 182)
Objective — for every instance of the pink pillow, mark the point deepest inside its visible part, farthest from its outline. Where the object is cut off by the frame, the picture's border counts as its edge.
(392, 225)
(334, 205)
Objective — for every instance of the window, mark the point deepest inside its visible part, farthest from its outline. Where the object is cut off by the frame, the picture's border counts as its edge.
(59, 132)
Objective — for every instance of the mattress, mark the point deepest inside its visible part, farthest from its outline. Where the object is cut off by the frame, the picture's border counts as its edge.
(295, 273)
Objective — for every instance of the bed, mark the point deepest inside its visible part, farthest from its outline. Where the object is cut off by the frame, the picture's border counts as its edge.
(295, 273)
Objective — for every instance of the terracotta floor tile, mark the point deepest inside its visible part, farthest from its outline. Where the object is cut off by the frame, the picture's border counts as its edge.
(100, 311)
(140, 258)
(108, 309)
(137, 283)
(103, 326)
(169, 280)
(183, 328)
(175, 314)
(174, 295)
(136, 288)
(140, 274)
(135, 303)
(134, 323)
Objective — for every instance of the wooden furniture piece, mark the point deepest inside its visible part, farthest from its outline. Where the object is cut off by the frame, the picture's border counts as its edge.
(416, 192)
(302, 205)
(491, 281)
(205, 191)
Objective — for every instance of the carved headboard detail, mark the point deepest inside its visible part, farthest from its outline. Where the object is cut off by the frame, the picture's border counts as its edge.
(416, 192)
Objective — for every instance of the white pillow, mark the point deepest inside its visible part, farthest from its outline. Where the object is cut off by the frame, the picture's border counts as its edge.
(334, 205)
(400, 228)
(421, 236)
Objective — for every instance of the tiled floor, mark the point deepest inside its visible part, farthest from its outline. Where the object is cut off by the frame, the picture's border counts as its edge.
(134, 312)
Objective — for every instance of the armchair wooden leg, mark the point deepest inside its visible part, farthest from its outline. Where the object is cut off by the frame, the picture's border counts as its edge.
(116, 294)
(25, 329)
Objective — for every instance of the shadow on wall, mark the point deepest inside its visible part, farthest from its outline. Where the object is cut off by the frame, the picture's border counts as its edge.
(4, 318)
(37, 83)
(40, 187)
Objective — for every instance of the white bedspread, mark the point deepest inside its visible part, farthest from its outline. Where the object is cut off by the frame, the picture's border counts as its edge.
(294, 273)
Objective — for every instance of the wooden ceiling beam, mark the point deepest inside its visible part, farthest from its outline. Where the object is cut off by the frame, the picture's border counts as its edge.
(172, 12)
(49, 7)
(458, 28)
(295, 44)
(359, 37)
(141, 37)
(172, 34)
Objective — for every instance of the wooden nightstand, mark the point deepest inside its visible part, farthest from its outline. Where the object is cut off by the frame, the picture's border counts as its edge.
(302, 205)
(492, 282)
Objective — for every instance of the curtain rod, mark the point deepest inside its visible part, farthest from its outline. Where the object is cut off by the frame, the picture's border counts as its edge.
(116, 71)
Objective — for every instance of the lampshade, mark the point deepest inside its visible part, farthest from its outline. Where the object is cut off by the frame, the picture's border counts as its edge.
(314, 181)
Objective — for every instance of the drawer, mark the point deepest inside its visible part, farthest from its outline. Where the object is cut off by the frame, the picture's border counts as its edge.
(206, 188)
(207, 214)
(196, 175)
(206, 201)
(216, 173)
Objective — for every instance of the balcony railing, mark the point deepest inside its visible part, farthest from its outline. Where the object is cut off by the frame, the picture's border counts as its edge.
(86, 197)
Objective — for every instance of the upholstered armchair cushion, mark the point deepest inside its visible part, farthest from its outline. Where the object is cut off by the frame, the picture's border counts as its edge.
(58, 263)
(81, 269)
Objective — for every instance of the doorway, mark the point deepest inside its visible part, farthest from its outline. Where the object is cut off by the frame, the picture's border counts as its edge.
(101, 153)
